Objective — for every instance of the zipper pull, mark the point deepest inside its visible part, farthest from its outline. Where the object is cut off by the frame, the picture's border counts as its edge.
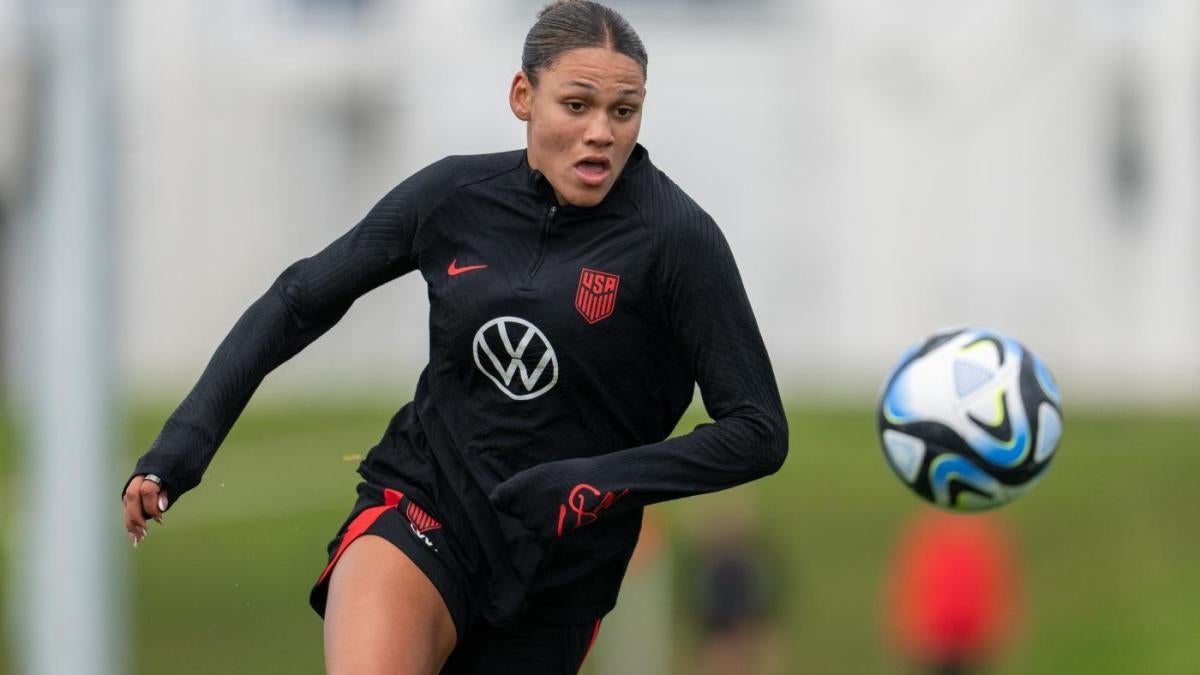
(553, 210)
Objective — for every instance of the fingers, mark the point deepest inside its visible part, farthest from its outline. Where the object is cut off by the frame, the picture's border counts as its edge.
(143, 499)
(135, 521)
(150, 493)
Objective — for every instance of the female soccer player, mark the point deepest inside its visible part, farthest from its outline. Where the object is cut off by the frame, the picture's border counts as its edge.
(576, 296)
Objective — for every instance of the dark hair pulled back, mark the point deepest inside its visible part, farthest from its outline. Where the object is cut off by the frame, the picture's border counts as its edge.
(565, 25)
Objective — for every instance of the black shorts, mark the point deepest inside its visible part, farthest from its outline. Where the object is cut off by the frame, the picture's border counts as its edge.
(525, 646)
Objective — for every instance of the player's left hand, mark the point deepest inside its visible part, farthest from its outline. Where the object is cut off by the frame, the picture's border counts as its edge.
(552, 501)
(531, 496)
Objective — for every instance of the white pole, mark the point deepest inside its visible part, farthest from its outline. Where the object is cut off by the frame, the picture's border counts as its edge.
(69, 591)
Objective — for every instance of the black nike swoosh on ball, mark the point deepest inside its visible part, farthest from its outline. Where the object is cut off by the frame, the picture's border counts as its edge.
(1003, 431)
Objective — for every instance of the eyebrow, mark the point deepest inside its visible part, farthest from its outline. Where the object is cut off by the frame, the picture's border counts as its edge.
(591, 87)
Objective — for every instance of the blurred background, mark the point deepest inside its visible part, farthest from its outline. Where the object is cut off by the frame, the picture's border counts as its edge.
(881, 170)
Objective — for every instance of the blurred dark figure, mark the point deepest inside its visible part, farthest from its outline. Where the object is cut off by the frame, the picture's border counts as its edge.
(734, 595)
(1129, 150)
(953, 594)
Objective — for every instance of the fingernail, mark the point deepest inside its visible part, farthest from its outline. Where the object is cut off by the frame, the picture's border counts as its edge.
(162, 503)
(132, 539)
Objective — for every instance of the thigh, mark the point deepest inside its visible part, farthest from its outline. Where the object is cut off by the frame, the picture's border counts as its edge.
(383, 614)
(529, 647)
(390, 514)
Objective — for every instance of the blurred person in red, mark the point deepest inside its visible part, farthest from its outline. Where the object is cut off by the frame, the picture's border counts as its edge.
(953, 592)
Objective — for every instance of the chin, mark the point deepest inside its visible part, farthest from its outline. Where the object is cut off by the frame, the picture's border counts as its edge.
(586, 200)
(585, 197)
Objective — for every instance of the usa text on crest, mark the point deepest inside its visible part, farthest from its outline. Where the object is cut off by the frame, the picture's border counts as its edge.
(596, 296)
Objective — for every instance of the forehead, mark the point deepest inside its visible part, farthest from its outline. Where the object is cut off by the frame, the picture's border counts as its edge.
(598, 67)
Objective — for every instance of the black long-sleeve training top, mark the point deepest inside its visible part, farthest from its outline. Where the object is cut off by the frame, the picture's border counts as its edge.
(564, 346)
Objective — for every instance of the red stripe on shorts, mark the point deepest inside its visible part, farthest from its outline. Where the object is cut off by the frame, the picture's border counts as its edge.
(391, 499)
(421, 520)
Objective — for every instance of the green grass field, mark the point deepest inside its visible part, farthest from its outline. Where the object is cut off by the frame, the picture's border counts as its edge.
(1108, 540)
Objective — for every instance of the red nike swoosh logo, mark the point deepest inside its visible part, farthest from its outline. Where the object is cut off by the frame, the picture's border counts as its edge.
(454, 270)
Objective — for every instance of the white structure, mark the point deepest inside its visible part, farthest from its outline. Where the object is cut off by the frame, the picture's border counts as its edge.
(881, 169)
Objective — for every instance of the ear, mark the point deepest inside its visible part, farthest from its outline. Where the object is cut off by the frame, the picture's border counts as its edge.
(520, 96)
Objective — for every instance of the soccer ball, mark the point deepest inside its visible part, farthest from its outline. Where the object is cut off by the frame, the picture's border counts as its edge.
(969, 419)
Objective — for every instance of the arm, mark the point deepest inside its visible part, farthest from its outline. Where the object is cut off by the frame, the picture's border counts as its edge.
(304, 302)
(714, 326)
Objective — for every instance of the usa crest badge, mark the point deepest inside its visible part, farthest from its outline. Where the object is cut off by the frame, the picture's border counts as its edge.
(596, 296)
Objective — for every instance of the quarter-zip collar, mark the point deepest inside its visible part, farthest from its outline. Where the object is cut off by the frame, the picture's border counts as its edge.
(537, 182)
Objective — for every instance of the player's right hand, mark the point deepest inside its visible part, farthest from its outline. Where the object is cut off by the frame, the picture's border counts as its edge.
(144, 499)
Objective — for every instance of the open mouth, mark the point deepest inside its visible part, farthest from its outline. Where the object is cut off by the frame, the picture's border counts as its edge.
(593, 170)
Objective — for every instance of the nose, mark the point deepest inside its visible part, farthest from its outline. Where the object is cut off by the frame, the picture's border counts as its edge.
(599, 130)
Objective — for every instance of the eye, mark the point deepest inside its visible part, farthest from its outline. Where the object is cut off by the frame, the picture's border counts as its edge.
(625, 112)
(575, 106)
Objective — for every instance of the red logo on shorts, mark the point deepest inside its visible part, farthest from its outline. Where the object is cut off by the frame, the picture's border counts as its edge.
(597, 294)
(422, 522)
(577, 503)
